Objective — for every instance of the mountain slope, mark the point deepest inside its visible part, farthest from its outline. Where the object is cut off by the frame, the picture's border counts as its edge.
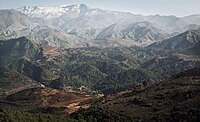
(168, 23)
(13, 50)
(192, 19)
(180, 42)
(13, 24)
(129, 78)
(143, 31)
(111, 31)
(194, 50)
(34, 98)
(12, 19)
(165, 67)
(12, 81)
(140, 33)
(55, 38)
(80, 25)
(175, 99)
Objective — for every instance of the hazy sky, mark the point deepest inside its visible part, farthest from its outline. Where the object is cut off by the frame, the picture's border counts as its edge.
(145, 7)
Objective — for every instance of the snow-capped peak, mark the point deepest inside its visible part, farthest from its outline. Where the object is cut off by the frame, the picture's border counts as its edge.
(43, 12)
(51, 12)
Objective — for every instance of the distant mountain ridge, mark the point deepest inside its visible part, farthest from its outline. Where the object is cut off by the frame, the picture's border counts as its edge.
(81, 26)
(141, 32)
(55, 60)
(180, 42)
(48, 12)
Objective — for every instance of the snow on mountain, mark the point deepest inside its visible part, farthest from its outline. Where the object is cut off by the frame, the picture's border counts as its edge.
(50, 12)
(14, 24)
(43, 12)
(72, 25)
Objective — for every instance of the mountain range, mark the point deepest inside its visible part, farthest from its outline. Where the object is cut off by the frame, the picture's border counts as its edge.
(80, 26)
(76, 63)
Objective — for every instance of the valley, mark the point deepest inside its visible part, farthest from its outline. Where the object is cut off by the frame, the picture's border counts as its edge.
(82, 64)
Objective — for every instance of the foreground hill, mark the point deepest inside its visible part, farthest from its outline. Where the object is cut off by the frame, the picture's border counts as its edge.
(40, 99)
(176, 99)
(12, 81)
(12, 115)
